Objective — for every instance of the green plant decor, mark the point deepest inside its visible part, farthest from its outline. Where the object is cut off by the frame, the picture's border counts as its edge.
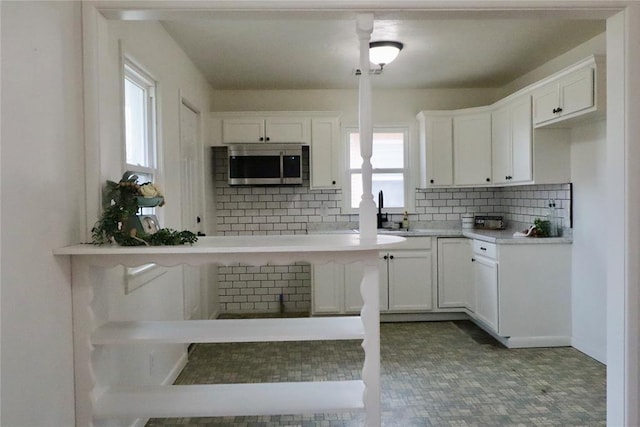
(120, 203)
(543, 227)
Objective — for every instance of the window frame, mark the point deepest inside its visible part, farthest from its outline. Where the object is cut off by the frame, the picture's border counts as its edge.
(404, 129)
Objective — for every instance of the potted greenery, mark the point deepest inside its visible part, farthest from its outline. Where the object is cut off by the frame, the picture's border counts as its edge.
(120, 203)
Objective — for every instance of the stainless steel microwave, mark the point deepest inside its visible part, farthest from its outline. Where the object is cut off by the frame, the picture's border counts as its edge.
(261, 164)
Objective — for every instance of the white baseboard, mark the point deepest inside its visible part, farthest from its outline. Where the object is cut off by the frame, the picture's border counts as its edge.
(529, 342)
(599, 354)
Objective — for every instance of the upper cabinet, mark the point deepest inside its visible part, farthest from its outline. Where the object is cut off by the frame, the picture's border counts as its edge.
(455, 147)
(521, 139)
(511, 142)
(569, 95)
(325, 153)
(248, 130)
(436, 143)
(472, 148)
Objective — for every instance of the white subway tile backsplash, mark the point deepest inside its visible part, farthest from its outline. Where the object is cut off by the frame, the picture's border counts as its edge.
(288, 210)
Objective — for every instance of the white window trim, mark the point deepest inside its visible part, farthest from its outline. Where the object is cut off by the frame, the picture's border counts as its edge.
(409, 196)
(136, 277)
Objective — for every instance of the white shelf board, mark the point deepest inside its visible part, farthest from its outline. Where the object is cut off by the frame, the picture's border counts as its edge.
(231, 399)
(230, 330)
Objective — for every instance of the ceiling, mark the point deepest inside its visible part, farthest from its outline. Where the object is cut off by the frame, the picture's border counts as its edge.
(253, 50)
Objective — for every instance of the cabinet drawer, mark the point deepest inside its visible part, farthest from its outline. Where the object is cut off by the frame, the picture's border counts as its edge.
(485, 249)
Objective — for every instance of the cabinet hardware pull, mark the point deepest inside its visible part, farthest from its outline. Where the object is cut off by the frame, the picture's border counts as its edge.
(385, 257)
(431, 181)
(268, 139)
(333, 182)
(473, 260)
(483, 249)
(261, 139)
(559, 110)
(488, 179)
(391, 256)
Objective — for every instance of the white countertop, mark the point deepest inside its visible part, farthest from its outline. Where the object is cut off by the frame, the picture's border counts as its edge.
(490, 236)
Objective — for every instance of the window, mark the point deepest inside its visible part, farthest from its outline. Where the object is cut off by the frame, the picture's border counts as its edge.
(140, 125)
(388, 161)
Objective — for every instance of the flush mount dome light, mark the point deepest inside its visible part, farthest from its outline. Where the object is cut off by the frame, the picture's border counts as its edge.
(383, 52)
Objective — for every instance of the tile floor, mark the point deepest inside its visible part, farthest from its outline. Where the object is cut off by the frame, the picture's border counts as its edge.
(433, 374)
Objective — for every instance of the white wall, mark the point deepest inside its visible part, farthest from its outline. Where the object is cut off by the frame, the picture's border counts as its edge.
(42, 189)
(150, 47)
(589, 272)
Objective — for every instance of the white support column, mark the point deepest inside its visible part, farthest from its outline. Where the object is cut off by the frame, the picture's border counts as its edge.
(370, 316)
(370, 313)
(368, 224)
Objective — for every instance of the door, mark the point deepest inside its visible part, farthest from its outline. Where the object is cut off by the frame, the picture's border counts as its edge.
(439, 142)
(486, 289)
(521, 141)
(243, 130)
(545, 102)
(287, 129)
(327, 288)
(323, 154)
(576, 91)
(501, 145)
(455, 277)
(472, 149)
(191, 206)
(410, 281)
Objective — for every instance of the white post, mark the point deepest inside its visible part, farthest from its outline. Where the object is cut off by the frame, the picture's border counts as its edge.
(368, 224)
(370, 313)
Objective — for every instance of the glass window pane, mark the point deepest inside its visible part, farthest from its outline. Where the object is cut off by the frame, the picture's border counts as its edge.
(135, 124)
(388, 150)
(391, 184)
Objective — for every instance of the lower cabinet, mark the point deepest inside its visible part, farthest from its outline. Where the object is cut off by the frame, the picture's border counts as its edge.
(455, 275)
(406, 282)
(485, 281)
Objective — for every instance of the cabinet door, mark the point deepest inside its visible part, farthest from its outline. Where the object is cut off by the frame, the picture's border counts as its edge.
(243, 130)
(455, 276)
(472, 149)
(521, 141)
(501, 145)
(576, 91)
(545, 101)
(439, 150)
(324, 153)
(327, 287)
(486, 291)
(288, 129)
(410, 281)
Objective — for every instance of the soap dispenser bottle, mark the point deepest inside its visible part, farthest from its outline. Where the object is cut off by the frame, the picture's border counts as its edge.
(405, 221)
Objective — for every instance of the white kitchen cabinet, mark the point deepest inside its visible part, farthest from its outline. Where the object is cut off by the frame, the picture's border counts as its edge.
(324, 157)
(485, 273)
(472, 148)
(512, 143)
(436, 149)
(567, 95)
(409, 275)
(523, 292)
(455, 275)
(255, 129)
(406, 282)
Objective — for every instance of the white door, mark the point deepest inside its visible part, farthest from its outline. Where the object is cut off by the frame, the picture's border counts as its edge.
(486, 286)
(576, 91)
(501, 144)
(191, 206)
(455, 277)
(288, 129)
(327, 285)
(439, 135)
(410, 281)
(243, 130)
(472, 149)
(521, 141)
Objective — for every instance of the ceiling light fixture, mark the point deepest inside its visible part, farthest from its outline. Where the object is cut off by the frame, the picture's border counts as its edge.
(382, 53)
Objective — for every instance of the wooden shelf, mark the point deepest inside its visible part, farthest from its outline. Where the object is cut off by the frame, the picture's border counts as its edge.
(232, 330)
(231, 399)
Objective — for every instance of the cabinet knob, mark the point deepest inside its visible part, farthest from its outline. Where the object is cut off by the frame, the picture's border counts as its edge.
(333, 182)
(385, 257)
(488, 179)
(483, 249)
(268, 138)
(559, 109)
(261, 139)
(391, 256)
(431, 181)
(473, 260)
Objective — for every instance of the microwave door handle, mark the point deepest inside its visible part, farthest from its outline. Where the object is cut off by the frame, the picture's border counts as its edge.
(282, 167)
